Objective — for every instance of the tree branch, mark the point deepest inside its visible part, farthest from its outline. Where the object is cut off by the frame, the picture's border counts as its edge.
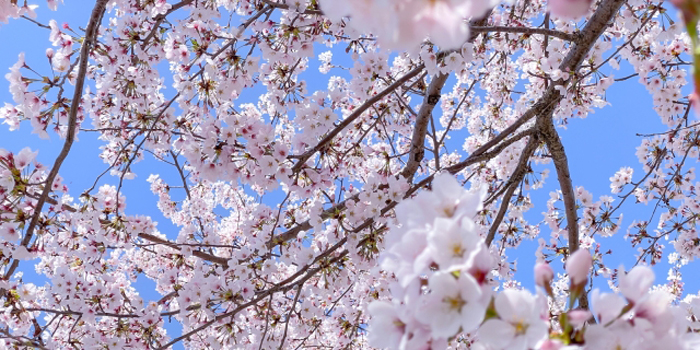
(88, 42)
(353, 116)
(525, 30)
(417, 150)
(515, 179)
(160, 18)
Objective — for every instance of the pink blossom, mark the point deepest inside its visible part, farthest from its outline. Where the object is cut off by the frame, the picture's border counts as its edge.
(578, 265)
(635, 284)
(578, 318)
(25, 157)
(543, 274)
(386, 328)
(606, 306)
(519, 325)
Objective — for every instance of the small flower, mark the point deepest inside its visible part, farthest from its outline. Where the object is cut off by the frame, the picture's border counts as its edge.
(25, 157)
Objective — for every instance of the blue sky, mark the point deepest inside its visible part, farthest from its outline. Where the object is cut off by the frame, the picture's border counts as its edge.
(597, 147)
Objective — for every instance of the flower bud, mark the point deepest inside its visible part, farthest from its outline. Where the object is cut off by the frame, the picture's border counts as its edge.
(578, 265)
(543, 276)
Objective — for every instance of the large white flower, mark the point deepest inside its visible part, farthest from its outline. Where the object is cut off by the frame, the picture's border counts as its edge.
(570, 8)
(636, 283)
(606, 306)
(519, 326)
(452, 200)
(386, 328)
(404, 24)
(617, 336)
(402, 257)
(450, 243)
(453, 303)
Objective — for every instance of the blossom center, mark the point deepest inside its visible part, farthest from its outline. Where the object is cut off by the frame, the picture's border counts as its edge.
(520, 328)
(454, 303)
(458, 250)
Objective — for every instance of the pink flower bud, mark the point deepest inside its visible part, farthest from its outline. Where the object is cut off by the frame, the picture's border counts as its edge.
(569, 8)
(578, 265)
(543, 274)
(49, 53)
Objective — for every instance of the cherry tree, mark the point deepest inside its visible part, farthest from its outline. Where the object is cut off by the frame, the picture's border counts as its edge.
(349, 174)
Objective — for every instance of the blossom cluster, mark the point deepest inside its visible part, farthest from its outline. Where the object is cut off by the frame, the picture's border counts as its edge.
(444, 284)
(10, 9)
(406, 23)
(288, 150)
(444, 292)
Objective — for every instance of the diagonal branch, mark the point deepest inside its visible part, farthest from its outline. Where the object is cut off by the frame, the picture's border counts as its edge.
(524, 30)
(417, 150)
(561, 163)
(353, 116)
(545, 125)
(333, 211)
(515, 179)
(197, 253)
(155, 239)
(88, 42)
(159, 20)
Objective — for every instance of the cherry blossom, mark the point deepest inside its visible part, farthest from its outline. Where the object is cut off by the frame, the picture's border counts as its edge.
(349, 174)
(453, 303)
(519, 325)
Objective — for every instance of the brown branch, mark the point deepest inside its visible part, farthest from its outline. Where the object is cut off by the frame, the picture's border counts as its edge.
(556, 149)
(157, 240)
(88, 42)
(545, 125)
(525, 30)
(306, 225)
(595, 27)
(425, 114)
(283, 286)
(160, 18)
(515, 179)
(198, 253)
(289, 315)
(286, 7)
(353, 116)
